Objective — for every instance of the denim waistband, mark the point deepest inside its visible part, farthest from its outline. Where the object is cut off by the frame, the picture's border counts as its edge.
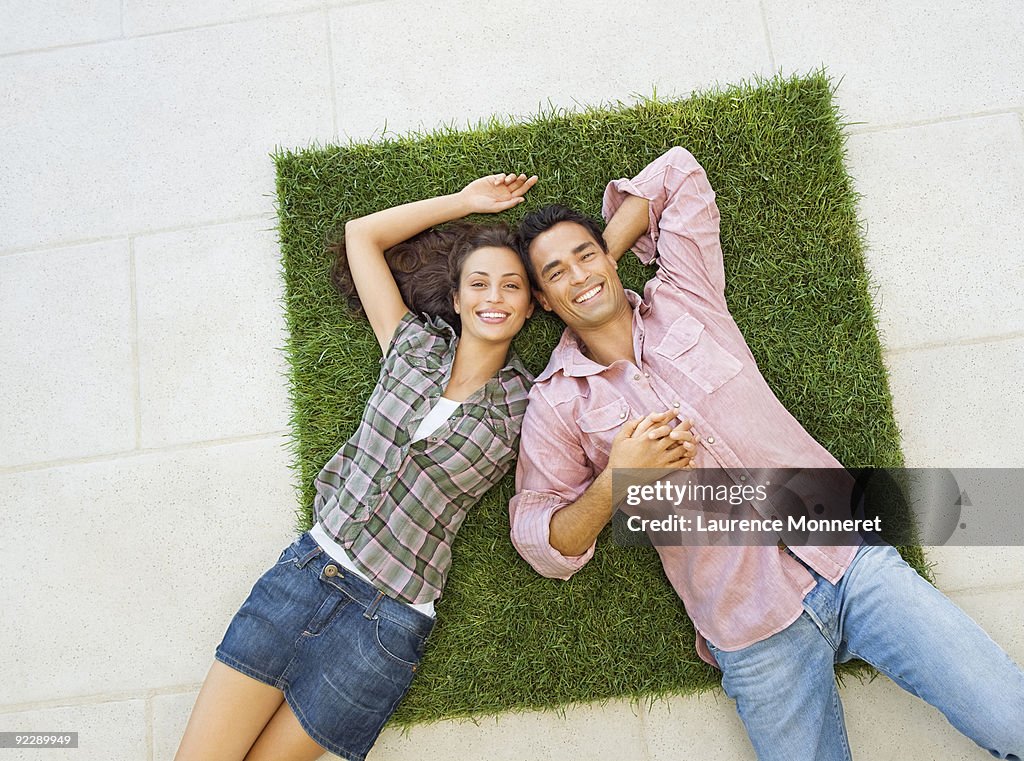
(309, 555)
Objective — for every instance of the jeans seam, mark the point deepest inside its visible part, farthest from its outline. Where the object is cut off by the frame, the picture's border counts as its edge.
(840, 723)
(820, 627)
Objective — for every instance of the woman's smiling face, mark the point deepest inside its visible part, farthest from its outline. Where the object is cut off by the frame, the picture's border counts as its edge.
(493, 299)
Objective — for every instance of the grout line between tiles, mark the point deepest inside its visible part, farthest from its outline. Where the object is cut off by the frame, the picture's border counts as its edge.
(865, 130)
(644, 730)
(767, 35)
(348, 3)
(65, 46)
(134, 339)
(950, 344)
(149, 728)
(143, 451)
(312, 8)
(981, 589)
(56, 246)
(228, 22)
(99, 698)
(330, 71)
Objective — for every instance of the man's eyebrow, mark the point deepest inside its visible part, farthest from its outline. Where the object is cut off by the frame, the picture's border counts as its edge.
(550, 265)
(581, 247)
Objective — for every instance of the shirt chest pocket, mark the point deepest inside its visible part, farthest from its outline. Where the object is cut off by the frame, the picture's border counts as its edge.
(600, 425)
(697, 355)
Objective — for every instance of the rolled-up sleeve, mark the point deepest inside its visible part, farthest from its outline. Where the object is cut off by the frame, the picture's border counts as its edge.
(684, 227)
(552, 472)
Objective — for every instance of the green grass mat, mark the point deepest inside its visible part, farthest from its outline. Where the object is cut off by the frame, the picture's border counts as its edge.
(507, 638)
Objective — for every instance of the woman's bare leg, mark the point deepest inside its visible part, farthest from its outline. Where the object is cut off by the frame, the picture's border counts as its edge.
(284, 739)
(230, 713)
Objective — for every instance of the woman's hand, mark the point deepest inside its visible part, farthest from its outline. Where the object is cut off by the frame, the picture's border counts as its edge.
(496, 192)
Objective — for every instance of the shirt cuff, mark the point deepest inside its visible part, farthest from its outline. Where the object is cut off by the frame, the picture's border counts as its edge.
(614, 194)
(531, 536)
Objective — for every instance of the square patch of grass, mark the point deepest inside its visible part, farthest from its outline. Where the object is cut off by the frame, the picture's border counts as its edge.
(507, 638)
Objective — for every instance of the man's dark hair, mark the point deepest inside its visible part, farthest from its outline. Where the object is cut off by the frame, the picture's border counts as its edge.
(542, 220)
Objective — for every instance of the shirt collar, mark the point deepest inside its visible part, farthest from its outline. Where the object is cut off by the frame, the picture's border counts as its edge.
(441, 328)
(569, 359)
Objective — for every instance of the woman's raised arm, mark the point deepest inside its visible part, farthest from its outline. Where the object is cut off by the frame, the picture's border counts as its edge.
(366, 239)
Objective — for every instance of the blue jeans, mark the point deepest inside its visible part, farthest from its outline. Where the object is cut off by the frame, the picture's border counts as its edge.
(343, 653)
(884, 613)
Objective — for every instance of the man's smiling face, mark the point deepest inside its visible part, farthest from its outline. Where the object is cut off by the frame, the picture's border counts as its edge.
(578, 280)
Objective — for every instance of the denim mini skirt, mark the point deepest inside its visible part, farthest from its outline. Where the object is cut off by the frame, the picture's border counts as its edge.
(343, 653)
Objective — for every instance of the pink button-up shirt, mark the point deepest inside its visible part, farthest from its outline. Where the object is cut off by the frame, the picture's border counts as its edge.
(691, 357)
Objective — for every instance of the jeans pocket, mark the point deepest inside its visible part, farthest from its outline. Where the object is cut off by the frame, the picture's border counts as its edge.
(397, 642)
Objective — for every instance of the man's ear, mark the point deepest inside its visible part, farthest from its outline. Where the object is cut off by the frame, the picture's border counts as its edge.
(542, 300)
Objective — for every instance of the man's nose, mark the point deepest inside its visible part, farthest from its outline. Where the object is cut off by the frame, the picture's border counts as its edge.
(576, 273)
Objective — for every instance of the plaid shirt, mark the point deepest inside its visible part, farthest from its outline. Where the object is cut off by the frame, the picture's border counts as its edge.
(396, 506)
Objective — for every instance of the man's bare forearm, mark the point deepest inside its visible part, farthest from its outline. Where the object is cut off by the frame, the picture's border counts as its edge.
(629, 222)
(575, 527)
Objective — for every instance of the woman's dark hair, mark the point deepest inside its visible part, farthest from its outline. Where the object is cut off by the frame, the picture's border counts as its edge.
(427, 267)
(542, 220)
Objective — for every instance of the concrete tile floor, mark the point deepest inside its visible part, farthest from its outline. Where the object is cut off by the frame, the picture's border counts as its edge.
(144, 405)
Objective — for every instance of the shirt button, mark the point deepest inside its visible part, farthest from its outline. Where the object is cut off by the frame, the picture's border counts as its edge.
(675, 404)
(711, 439)
(386, 479)
(647, 375)
(743, 478)
(636, 377)
(622, 416)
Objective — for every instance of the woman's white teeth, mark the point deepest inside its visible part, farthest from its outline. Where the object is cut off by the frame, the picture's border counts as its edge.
(493, 315)
(588, 295)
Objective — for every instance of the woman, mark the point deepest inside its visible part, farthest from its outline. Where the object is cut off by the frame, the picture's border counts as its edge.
(327, 643)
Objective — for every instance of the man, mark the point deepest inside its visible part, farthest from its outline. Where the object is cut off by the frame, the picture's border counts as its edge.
(668, 381)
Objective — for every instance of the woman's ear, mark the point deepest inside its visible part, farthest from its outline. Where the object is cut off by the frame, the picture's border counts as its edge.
(455, 302)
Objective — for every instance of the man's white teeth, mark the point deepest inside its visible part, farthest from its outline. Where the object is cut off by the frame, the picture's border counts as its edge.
(588, 295)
